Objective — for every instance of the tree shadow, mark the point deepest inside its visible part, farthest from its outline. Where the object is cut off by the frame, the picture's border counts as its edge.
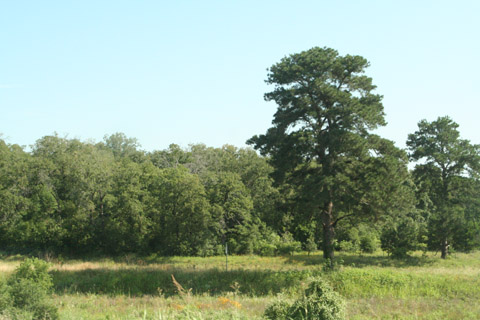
(145, 281)
(363, 261)
(9, 257)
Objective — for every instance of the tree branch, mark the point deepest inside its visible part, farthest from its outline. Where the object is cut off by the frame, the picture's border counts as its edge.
(341, 218)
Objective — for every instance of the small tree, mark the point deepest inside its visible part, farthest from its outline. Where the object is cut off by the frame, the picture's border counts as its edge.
(311, 245)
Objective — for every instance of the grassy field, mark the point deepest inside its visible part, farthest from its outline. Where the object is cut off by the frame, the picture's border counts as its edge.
(374, 286)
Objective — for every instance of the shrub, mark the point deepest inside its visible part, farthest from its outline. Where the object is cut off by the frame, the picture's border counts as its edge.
(5, 298)
(288, 245)
(347, 246)
(278, 310)
(362, 238)
(318, 302)
(45, 311)
(27, 292)
(35, 270)
(273, 244)
(400, 237)
(265, 248)
(368, 243)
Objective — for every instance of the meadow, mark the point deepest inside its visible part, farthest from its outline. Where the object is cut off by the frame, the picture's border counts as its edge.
(374, 286)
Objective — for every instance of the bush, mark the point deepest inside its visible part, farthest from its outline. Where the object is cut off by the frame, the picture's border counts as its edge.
(347, 246)
(363, 238)
(265, 248)
(5, 298)
(400, 237)
(35, 270)
(288, 245)
(318, 302)
(26, 293)
(5, 301)
(277, 310)
(273, 244)
(368, 243)
(45, 311)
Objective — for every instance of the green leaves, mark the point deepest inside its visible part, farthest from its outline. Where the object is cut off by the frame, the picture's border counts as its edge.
(319, 302)
(181, 225)
(320, 142)
(446, 175)
(26, 295)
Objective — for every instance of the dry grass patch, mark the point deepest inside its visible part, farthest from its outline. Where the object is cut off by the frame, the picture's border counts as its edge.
(76, 307)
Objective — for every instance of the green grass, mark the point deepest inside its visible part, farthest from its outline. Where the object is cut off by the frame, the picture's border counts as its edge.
(375, 286)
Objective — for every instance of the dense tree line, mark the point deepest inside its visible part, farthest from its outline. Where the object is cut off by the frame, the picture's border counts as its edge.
(81, 197)
(322, 179)
(74, 197)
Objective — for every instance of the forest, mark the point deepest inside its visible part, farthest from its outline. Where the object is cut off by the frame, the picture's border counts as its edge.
(76, 198)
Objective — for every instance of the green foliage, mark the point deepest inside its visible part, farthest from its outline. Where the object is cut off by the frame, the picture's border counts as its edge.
(288, 245)
(122, 147)
(347, 246)
(232, 211)
(34, 270)
(267, 245)
(447, 176)
(330, 265)
(5, 297)
(401, 236)
(278, 310)
(319, 301)
(181, 224)
(362, 238)
(265, 248)
(368, 243)
(26, 293)
(71, 197)
(272, 244)
(311, 245)
(320, 143)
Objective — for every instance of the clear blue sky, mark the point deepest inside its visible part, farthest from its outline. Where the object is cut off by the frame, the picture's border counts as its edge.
(193, 71)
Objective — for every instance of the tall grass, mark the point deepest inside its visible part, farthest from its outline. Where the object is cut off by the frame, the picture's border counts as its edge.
(375, 286)
(152, 282)
(354, 283)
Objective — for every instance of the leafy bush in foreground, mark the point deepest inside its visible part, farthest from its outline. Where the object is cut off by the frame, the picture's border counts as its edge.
(318, 302)
(25, 294)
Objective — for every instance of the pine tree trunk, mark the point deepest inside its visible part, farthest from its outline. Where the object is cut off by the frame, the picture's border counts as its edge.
(444, 248)
(328, 232)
